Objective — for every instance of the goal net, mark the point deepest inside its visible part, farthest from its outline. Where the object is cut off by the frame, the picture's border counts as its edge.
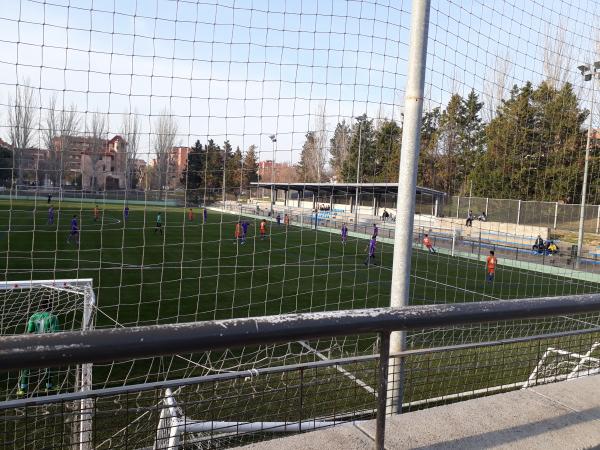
(49, 306)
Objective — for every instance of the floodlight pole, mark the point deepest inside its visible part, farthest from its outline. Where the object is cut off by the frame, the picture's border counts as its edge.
(591, 76)
(407, 183)
(356, 199)
(272, 200)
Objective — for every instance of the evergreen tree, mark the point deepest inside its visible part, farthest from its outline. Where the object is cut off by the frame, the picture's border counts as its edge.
(386, 161)
(534, 147)
(426, 175)
(363, 135)
(193, 175)
(250, 169)
(213, 166)
(234, 180)
(306, 168)
(339, 145)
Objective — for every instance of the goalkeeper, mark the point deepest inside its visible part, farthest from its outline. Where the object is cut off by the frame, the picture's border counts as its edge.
(43, 321)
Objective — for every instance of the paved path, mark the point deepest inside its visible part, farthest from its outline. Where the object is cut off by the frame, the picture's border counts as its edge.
(563, 415)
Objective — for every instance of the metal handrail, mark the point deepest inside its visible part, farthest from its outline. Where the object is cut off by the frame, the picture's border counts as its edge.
(102, 345)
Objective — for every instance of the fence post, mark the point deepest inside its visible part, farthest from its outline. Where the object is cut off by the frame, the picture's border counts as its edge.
(555, 214)
(457, 205)
(598, 220)
(519, 212)
(382, 386)
(453, 241)
(487, 201)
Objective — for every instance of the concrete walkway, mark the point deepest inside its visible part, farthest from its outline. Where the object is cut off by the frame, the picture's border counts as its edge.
(563, 415)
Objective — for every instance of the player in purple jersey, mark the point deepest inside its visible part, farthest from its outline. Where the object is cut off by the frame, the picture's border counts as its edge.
(371, 248)
(375, 230)
(74, 231)
(204, 215)
(344, 233)
(245, 225)
(126, 213)
(51, 215)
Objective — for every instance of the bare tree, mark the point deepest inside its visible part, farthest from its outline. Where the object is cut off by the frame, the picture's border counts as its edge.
(131, 133)
(557, 56)
(95, 131)
(164, 139)
(21, 110)
(495, 86)
(319, 157)
(58, 131)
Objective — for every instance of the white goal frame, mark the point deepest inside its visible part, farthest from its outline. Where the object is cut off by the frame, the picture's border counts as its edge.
(83, 379)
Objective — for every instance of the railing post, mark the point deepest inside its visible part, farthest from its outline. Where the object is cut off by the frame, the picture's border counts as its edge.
(598, 220)
(487, 201)
(556, 214)
(519, 212)
(382, 386)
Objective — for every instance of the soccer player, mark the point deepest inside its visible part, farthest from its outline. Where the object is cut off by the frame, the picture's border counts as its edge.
(263, 229)
(286, 220)
(51, 215)
(344, 233)
(49, 198)
(371, 248)
(190, 215)
(126, 213)
(491, 264)
(96, 213)
(42, 321)
(427, 243)
(158, 226)
(245, 225)
(278, 218)
(74, 230)
(238, 233)
(204, 215)
(375, 230)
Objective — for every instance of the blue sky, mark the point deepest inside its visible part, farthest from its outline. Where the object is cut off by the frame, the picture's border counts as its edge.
(246, 69)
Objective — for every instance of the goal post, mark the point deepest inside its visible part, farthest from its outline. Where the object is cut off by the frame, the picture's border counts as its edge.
(72, 303)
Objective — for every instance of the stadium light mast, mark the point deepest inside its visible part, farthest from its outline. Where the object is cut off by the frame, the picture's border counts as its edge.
(274, 141)
(589, 73)
(360, 120)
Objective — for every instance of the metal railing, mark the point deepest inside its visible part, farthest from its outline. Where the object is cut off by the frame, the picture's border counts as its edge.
(296, 397)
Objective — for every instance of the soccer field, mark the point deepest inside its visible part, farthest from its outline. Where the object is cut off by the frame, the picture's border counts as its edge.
(195, 271)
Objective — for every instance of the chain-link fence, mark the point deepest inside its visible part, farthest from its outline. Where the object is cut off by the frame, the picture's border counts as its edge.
(553, 215)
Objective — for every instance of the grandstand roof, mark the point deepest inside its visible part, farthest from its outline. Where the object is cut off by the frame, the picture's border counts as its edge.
(345, 188)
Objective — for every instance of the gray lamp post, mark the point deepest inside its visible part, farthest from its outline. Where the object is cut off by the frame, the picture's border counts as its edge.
(356, 199)
(274, 141)
(589, 73)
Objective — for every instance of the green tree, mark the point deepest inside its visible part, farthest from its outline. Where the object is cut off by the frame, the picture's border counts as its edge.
(428, 150)
(250, 168)
(192, 177)
(213, 166)
(535, 147)
(338, 148)
(306, 168)
(363, 135)
(234, 172)
(388, 137)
